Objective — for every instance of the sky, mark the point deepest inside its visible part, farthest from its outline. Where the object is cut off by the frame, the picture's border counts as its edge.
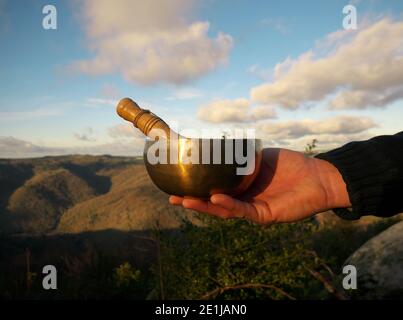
(288, 69)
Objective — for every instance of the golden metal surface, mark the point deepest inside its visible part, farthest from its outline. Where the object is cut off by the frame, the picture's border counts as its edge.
(201, 180)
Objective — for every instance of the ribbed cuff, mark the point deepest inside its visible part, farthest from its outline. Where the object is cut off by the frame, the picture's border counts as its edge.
(364, 171)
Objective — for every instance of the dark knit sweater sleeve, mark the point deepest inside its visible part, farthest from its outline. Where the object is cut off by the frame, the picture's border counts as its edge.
(373, 173)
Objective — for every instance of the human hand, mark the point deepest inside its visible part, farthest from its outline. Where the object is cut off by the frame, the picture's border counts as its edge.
(289, 187)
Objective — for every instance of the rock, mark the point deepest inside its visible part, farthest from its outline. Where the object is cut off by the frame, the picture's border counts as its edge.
(330, 219)
(379, 264)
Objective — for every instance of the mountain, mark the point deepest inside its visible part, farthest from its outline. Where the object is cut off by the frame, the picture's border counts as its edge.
(72, 194)
(95, 219)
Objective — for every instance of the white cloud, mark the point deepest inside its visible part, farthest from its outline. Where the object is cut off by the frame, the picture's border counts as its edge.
(11, 147)
(185, 94)
(238, 110)
(276, 23)
(258, 72)
(261, 112)
(341, 125)
(363, 68)
(127, 141)
(149, 42)
(362, 99)
(30, 114)
(324, 142)
(125, 130)
(100, 102)
(110, 91)
(87, 135)
(115, 148)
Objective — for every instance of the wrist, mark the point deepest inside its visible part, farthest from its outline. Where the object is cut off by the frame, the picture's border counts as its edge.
(332, 182)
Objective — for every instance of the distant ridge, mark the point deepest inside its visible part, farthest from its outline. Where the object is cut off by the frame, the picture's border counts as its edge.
(71, 194)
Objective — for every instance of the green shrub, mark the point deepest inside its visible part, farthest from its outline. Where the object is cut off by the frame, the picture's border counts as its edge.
(125, 275)
(236, 259)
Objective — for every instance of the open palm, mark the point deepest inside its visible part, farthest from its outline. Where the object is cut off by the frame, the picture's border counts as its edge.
(289, 187)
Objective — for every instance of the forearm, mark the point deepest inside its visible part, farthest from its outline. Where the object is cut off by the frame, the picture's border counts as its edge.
(373, 174)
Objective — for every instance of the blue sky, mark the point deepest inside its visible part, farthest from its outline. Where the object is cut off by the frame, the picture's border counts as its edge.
(55, 99)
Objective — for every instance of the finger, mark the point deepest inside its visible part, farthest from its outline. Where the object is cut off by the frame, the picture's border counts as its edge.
(176, 200)
(241, 209)
(238, 208)
(206, 207)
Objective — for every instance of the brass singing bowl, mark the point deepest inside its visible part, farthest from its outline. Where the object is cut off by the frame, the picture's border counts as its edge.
(204, 177)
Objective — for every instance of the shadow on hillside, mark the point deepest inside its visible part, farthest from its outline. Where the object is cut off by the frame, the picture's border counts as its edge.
(11, 178)
(101, 184)
(38, 209)
(47, 249)
(85, 263)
